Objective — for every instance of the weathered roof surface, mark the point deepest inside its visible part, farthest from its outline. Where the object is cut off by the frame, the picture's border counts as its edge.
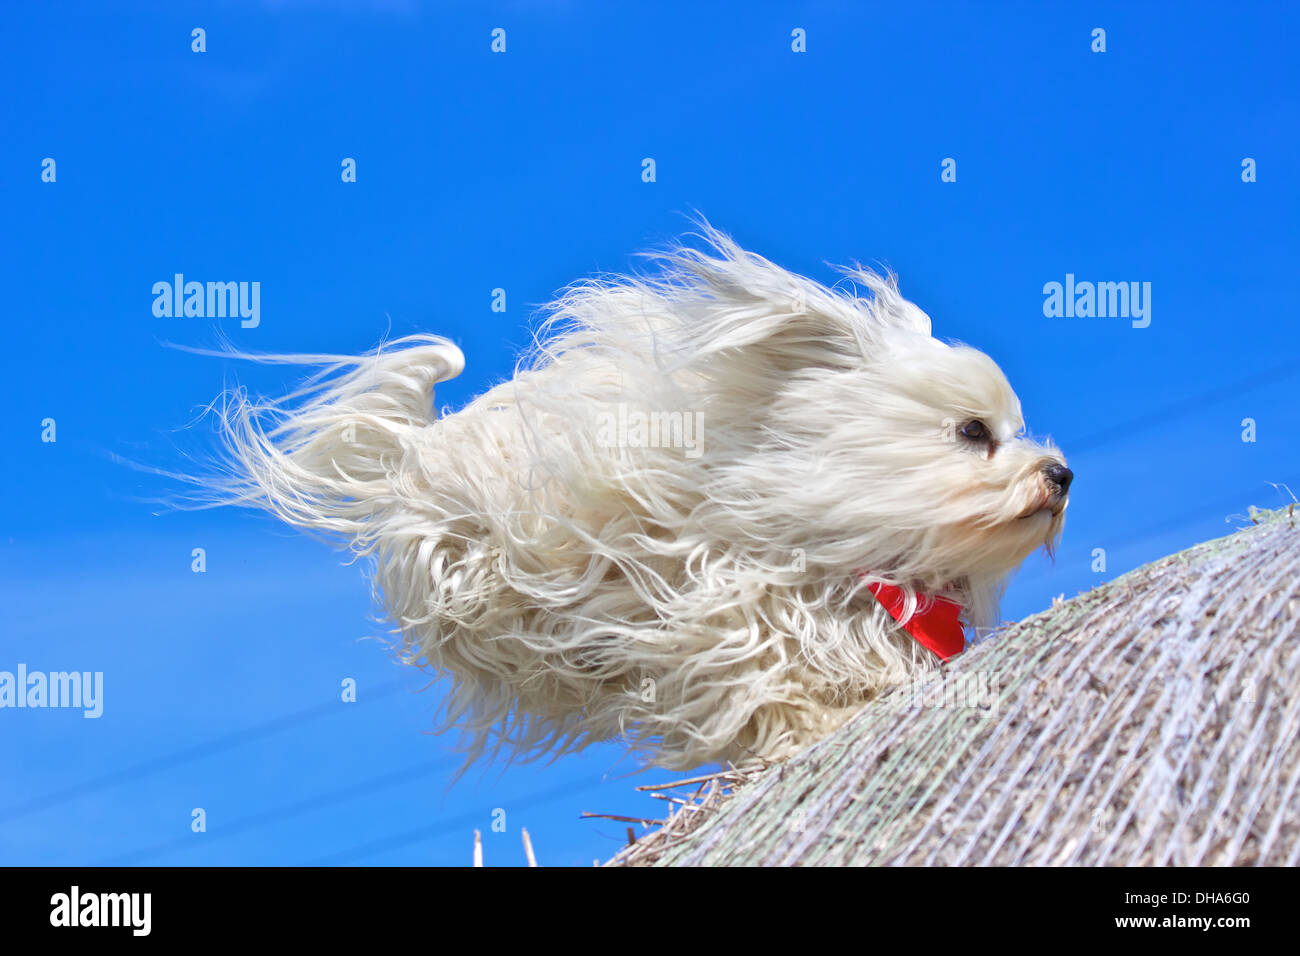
(1153, 720)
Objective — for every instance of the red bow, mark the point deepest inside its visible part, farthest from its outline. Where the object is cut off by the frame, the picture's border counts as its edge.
(936, 627)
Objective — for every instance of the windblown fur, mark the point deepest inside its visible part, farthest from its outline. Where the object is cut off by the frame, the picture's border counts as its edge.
(662, 527)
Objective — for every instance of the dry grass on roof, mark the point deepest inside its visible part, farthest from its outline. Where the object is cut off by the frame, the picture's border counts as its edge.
(1152, 721)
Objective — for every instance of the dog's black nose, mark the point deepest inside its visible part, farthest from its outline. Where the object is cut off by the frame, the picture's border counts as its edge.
(1060, 476)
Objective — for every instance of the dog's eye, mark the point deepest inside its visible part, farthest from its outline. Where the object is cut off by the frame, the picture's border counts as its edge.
(975, 431)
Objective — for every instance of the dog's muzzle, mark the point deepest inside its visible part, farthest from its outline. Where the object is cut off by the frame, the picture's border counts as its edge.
(1057, 478)
(1054, 490)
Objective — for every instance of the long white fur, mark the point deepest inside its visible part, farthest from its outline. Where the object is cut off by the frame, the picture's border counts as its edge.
(702, 608)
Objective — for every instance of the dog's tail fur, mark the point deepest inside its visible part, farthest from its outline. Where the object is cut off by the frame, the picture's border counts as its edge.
(324, 457)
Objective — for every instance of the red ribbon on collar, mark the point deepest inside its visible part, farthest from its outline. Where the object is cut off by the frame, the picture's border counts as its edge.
(936, 627)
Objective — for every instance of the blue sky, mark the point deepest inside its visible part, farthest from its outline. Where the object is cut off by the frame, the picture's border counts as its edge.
(522, 170)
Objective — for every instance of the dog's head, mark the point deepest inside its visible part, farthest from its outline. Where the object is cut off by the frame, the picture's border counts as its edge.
(834, 426)
(949, 483)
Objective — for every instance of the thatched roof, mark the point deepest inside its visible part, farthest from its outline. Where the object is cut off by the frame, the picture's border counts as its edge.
(1153, 720)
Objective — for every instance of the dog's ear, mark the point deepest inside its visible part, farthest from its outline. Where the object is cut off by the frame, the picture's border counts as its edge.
(738, 300)
(888, 307)
(724, 312)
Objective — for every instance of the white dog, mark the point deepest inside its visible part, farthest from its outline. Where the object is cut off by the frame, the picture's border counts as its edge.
(694, 519)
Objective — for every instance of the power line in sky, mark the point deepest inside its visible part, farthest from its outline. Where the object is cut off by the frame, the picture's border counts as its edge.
(319, 801)
(1181, 407)
(196, 752)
